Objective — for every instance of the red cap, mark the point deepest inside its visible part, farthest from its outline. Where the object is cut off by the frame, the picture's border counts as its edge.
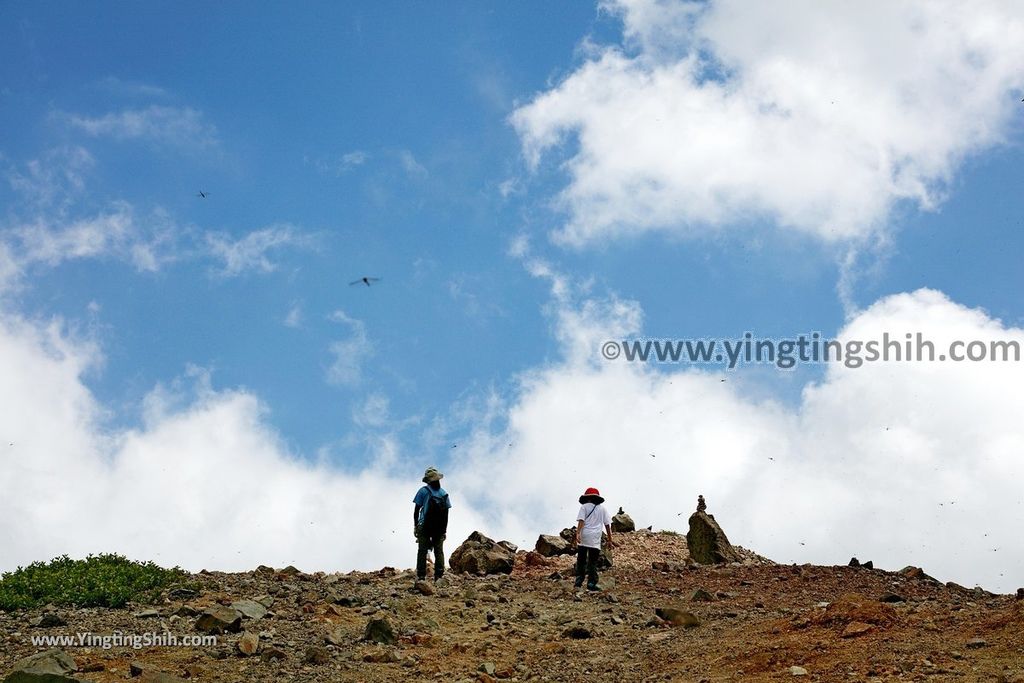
(591, 492)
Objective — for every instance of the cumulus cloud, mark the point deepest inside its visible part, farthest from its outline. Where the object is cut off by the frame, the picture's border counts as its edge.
(204, 482)
(818, 117)
(177, 126)
(902, 463)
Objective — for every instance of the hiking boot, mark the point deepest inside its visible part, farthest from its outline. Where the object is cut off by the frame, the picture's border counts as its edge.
(593, 587)
(578, 583)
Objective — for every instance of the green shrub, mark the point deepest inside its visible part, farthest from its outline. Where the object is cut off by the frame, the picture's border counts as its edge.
(97, 581)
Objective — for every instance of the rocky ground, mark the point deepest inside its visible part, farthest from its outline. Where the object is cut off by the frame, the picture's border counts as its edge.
(744, 620)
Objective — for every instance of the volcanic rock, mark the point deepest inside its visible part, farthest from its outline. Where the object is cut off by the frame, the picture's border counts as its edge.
(218, 619)
(52, 666)
(550, 546)
(622, 523)
(482, 555)
(707, 542)
(380, 631)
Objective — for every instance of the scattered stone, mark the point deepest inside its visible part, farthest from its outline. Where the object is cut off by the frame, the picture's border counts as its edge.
(147, 614)
(854, 562)
(976, 643)
(52, 666)
(1020, 593)
(535, 559)
(380, 631)
(677, 617)
(423, 588)
(249, 644)
(854, 607)
(856, 628)
(48, 620)
(892, 598)
(250, 609)
(797, 671)
(488, 668)
(336, 637)
(135, 669)
(622, 523)
(509, 546)
(551, 546)
(577, 633)
(219, 619)
(701, 595)
(382, 655)
(707, 542)
(868, 565)
(481, 555)
(187, 611)
(182, 594)
(316, 655)
(273, 653)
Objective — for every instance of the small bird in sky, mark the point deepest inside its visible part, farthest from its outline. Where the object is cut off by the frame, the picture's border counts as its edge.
(201, 194)
(365, 281)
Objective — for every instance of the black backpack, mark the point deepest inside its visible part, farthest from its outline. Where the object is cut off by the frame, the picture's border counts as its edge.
(435, 519)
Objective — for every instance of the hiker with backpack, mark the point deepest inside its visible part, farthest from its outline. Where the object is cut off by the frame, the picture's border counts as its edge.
(430, 520)
(592, 520)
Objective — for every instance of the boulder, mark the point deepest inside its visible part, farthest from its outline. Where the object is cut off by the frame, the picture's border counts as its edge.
(380, 631)
(569, 534)
(707, 542)
(250, 609)
(52, 666)
(550, 546)
(1020, 593)
(218, 619)
(481, 555)
(622, 523)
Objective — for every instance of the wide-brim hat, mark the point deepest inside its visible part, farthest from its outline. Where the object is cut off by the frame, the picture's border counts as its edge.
(591, 495)
(432, 474)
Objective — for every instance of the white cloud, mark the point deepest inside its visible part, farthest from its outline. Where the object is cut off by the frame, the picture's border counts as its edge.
(817, 116)
(175, 126)
(116, 233)
(294, 317)
(251, 252)
(349, 354)
(410, 165)
(904, 463)
(54, 179)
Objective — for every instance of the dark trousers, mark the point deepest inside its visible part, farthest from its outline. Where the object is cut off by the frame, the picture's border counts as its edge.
(437, 545)
(586, 565)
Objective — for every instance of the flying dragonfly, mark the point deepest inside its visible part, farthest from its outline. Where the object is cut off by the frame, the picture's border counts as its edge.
(365, 281)
(202, 194)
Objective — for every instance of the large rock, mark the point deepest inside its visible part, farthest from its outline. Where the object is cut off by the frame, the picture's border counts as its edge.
(250, 609)
(380, 631)
(219, 619)
(707, 542)
(481, 555)
(52, 666)
(622, 523)
(550, 546)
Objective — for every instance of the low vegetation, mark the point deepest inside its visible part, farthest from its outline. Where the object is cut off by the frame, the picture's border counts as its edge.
(106, 580)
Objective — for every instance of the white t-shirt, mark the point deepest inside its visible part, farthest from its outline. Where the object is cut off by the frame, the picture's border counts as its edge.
(595, 518)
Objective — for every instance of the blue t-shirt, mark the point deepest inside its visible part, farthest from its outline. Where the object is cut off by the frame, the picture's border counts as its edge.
(423, 495)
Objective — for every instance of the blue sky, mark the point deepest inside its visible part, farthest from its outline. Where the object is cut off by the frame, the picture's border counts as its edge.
(420, 144)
